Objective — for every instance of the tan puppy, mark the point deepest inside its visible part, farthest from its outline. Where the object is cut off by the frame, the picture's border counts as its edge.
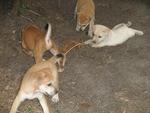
(35, 42)
(85, 12)
(98, 32)
(40, 79)
(113, 37)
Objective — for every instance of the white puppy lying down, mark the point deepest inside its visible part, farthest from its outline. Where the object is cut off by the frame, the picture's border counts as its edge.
(103, 36)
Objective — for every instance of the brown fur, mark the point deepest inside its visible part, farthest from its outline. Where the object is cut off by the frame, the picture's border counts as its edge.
(85, 12)
(39, 74)
(33, 42)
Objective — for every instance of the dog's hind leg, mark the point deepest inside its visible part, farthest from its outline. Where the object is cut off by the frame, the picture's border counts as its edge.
(75, 12)
(118, 26)
(121, 25)
(91, 26)
(138, 32)
(30, 53)
(16, 103)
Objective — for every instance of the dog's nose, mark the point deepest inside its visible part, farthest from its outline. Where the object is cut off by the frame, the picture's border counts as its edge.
(83, 28)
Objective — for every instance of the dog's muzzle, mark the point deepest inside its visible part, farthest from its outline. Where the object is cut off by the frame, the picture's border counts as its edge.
(81, 27)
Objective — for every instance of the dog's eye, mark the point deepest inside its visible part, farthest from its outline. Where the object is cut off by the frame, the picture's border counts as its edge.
(99, 36)
(49, 84)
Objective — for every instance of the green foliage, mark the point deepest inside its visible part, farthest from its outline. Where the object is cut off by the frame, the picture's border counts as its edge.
(22, 7)
(30, 110)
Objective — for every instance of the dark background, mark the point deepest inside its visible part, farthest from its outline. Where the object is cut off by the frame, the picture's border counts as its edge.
(102, 80)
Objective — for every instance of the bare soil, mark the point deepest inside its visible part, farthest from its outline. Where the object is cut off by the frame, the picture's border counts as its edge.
(104, 80)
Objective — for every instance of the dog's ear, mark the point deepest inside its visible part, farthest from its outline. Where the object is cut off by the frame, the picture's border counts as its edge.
(48, 37)
(61, 59)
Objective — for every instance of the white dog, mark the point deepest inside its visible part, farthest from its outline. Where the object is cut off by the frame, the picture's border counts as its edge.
(103, 36)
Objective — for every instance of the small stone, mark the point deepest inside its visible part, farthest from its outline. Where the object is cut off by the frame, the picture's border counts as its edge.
(14, 31)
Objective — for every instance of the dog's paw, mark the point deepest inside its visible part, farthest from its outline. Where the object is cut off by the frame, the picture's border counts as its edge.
(43, 60)
(95, 45)
(88, 41)
(140, 33)
(90, 34)
(60, 70)
(77, 28)
(55, 98)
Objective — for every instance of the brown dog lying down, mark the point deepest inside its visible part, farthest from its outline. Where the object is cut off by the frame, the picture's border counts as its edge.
(85, 12)
(35, 42)
(40, 80)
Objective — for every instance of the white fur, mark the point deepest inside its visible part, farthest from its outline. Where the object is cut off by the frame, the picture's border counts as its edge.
(118, 35)
(55, 98)
(50, 91)
(43, 89)
(31, 96)
(44, 104)
(47, 37)
(100, 30)
(47, 90)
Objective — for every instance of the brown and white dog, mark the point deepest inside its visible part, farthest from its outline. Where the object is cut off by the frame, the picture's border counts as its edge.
(40, 80)
(35, 42)
(85, 13)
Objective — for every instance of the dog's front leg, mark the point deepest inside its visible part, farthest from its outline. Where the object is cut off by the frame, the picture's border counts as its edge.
(99, 44)
(95, 45)
(75, 12)
(43, 103)
(78, 27)
(88, 41)
(92, 41)
(91, 25)
(16, 103)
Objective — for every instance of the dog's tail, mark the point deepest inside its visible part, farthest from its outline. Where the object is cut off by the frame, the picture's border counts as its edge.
(139, 32)
(48, 37)
(129, 23)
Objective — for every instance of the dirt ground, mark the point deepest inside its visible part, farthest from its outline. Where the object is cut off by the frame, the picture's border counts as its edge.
(104, 80)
